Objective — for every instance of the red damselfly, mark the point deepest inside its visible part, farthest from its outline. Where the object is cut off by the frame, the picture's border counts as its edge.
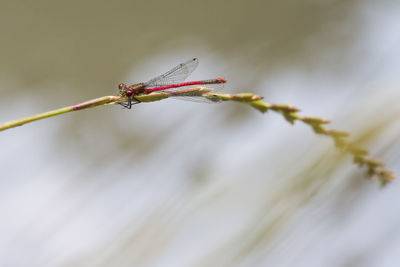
(170, 80)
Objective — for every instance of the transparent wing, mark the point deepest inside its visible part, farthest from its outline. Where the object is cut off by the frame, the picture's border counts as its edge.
(175, 75)
(194, 94)
(197, 99)
(216, 87)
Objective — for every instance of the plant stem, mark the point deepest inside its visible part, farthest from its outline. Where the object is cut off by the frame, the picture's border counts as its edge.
(374, 168)
(88, 104)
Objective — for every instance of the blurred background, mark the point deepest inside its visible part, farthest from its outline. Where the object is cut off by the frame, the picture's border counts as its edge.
(176, 183)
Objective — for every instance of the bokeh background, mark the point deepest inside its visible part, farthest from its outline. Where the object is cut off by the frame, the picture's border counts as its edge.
(176, 183)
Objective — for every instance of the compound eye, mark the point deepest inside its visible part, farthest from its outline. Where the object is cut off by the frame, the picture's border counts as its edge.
(121, 86)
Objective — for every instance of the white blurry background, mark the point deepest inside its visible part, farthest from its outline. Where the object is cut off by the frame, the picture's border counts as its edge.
(176, 183)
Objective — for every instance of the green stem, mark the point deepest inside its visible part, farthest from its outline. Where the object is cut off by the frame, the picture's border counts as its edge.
(88, 104)
(375, 168)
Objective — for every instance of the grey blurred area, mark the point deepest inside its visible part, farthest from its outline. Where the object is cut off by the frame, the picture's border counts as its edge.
(176, 183)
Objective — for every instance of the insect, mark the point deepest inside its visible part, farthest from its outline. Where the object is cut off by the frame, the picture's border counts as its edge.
(170, 80)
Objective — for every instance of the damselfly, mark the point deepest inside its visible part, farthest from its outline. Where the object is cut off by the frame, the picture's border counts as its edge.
(170, 80)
